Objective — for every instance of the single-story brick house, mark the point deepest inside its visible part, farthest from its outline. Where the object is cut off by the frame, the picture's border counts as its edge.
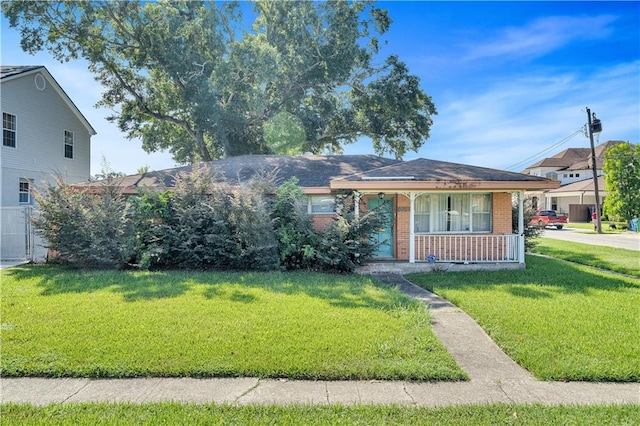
(439, 211)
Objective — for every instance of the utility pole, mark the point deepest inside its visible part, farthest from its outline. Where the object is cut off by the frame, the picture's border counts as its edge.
(595, 127)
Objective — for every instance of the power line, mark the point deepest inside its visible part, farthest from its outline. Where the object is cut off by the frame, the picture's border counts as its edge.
(544, 151)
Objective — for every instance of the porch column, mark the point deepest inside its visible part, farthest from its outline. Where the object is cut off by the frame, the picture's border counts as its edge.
(356, 201)
(521, 227)
(412, 237)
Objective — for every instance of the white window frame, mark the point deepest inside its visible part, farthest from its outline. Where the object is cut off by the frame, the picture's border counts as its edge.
(465, 223)
(68, 142)
(313, 201)
(14, 130)
(24, 189)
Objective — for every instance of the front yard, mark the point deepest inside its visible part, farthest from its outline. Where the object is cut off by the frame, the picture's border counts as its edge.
(560, 320)
(58, 322)
(612, 258)
(208, 414)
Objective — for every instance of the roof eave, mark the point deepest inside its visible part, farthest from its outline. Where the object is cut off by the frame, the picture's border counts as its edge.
(442, 185)
(60, 91)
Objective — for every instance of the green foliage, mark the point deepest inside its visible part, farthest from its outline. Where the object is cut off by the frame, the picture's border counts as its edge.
(82, 228)
(191, 77)
(284, 134)
(203, 223)
(347, 242)
(294, 230)
(531, 233)
(622, 182)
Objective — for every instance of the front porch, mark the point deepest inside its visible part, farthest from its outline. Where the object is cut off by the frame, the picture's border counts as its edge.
(494, 244)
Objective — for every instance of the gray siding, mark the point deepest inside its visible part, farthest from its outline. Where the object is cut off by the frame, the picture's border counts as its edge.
(41, 119)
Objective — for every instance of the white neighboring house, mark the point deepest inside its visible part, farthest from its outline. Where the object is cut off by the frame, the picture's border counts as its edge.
(572, 167)
(43, 133)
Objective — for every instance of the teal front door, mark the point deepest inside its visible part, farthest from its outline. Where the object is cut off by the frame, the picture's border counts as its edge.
(384, 236)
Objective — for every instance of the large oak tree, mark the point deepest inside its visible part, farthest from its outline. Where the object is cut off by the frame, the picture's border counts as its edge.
(198, 79)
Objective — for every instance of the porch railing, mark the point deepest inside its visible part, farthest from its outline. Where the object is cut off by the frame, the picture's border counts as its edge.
(467, 248)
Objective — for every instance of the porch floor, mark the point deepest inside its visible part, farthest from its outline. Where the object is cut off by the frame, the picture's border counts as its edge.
(403, 267)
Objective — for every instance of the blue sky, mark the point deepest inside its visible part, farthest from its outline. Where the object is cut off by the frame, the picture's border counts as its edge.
(509, 79)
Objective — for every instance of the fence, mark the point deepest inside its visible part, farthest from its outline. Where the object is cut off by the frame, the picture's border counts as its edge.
(16, 233)
(467, 248)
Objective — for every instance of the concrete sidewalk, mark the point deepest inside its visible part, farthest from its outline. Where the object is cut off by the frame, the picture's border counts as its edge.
(494, 378)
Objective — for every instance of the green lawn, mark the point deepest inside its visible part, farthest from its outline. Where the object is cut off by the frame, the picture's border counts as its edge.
(587, 227)
(200, 414)
(612, 258)
(58, 322)
(560, 320)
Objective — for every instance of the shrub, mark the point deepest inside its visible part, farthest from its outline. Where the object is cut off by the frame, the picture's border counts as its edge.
(530, 232)
(349, 242)
(293, 227)
(204, 223)
(83, 228)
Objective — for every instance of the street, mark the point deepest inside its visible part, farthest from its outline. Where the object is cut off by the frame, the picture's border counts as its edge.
(626, 240)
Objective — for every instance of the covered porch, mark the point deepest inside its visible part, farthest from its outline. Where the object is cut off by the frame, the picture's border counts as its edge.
(498, 246)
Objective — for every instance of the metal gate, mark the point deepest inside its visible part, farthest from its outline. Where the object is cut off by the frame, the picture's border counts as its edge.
(16, 233)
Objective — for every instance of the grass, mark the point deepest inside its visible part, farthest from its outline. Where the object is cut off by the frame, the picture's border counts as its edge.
(65, 323)
(611, 258)
(588, 226)
(196, 414)
(559, 320)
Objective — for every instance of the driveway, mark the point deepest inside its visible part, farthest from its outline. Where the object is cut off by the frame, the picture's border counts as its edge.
(626, 240)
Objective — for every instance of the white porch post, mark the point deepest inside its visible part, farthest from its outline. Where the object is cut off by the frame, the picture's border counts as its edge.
(521, 227)
(412, 238)
(356, 201)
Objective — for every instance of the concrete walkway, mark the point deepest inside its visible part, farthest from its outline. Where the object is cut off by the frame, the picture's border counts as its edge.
(495, 378)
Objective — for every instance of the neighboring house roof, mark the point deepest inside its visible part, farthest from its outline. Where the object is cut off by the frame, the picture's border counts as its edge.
(11, 72)
(575, 158)
(317, 173)
(586, 185)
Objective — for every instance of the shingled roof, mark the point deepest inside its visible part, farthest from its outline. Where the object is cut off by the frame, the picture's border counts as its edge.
(7, 71)
(312, 171)
(575, 158)
(321, 173)
(432, 174)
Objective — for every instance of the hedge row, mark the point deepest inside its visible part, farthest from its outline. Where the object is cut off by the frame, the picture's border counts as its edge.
(202, 223)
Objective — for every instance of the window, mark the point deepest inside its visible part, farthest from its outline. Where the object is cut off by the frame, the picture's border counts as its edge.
(24, 197)
(577, 174)
(470, 212)
(8, 130)
(68, 144)
(422, 213)
(323, 204)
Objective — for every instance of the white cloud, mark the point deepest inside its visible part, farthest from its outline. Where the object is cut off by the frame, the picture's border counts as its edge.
(541, 36)
(513, 120)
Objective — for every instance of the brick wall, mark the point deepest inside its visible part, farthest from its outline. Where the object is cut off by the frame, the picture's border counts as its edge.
(321, 221)
(403, 226)
(501, 213)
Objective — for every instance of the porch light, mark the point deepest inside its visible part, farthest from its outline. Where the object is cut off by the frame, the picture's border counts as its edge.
(381, 195)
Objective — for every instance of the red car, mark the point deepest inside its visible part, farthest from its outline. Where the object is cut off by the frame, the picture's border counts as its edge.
(549, 218)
